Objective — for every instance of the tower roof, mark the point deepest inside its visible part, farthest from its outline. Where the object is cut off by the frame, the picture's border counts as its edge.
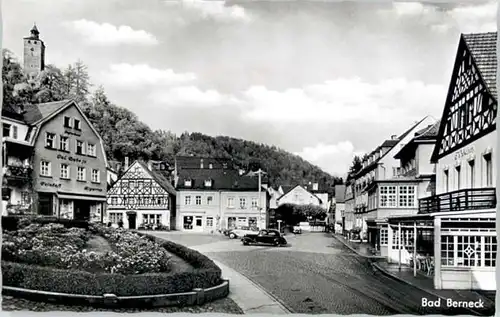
(34, 33)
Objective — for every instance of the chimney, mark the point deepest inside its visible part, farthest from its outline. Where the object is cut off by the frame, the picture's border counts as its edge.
(126, 163)
(315, 186)
(394, 137)
(201, 163)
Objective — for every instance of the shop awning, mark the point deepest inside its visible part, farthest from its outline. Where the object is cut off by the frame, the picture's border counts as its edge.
(81, 197)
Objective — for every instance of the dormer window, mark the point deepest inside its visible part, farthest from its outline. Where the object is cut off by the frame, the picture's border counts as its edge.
(210, 166)
(67, 122)
(187, 183)
(208, 183)
(77, 124)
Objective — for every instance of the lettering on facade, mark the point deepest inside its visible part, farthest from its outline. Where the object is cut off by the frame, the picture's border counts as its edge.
(71, 159)
(90, 189)
(72, 133)
(50, 184)
(463, 152)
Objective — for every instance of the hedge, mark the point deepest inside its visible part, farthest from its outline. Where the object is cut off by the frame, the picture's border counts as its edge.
(11, 223)
(205, 275)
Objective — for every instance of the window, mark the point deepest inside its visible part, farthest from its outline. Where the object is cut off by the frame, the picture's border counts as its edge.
(208, 183)
(79, 147)
(80, 174)
(187, 183)
(14, 132)
(210, 199)
(115, 217)
(45, 168)
(468, 251)
(458, 170)
(50, 140)
(243, 203)
(63, 143)
(151, 219)
(407, 196)
(187, 200)
(198, 200)
(77, 125)
(446, 181)
(64, 172)
(67, 122)
(230, 202)
(489, 170)
(6, 129)
(210, 166)
(384, 236)
(91, 150)
(96, 176)
(25, 198)
(114, 201)
(388, 196)
(471, 175)
(254, 203)
(210, 221)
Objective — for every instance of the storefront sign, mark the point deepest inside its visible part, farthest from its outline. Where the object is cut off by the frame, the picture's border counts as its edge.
(90, 189)
(50, 185)
(71, 159)
(464, 152)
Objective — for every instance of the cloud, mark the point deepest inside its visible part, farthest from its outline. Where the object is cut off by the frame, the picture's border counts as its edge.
(217, 10)
(192, 96)
(467, 18)
(130, 76)
(333, 158)
(106, 34)
(345, 100)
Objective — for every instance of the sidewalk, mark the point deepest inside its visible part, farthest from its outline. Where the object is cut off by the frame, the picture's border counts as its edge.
(426, 284)
(360, 248)
(251, 298)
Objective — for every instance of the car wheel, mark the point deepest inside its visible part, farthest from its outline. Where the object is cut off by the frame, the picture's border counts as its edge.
(245, 242)
(276, 243)
(232, 235)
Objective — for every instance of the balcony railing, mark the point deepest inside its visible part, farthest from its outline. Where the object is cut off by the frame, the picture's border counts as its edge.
(17, 172)
(464, 199)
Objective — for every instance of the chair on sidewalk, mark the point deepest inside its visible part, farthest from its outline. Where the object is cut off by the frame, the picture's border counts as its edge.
(429, 264)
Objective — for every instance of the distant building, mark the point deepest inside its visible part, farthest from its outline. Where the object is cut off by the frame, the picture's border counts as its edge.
(299, 195)
(338, 203)
(34, 54)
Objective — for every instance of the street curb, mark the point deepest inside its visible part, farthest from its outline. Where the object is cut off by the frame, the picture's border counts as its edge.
(357, 252)
(393, 276)
(279, 302)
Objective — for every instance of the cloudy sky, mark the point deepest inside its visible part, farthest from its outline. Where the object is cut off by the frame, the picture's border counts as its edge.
(324, 80)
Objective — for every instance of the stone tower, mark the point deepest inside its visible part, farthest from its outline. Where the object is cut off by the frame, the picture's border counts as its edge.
(34, 54)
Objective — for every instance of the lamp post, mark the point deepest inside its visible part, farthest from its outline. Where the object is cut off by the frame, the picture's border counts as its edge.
(279, 225)
(259, 172)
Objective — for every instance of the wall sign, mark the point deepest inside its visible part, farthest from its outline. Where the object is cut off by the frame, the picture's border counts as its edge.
(90, 189)
(50, 185)
(464, 152)
(71, 159)
(72, 133)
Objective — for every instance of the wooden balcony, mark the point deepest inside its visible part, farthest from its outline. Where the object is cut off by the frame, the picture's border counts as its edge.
(463, 199)
(17, 174)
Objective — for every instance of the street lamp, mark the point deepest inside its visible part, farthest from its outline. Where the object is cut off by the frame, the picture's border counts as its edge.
(260, 172)
(279, 225)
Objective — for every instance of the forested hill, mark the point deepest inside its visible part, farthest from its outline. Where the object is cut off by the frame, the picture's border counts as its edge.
(125, 135)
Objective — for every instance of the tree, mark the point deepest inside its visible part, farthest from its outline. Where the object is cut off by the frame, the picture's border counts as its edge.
(356, 166)
(51, 85)
(12, 75)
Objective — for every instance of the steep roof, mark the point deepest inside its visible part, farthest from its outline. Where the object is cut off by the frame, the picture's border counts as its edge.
(9, 112)
(194, 162)
(36, 112)
(428, 133)
(160, 179)
(483, 47)
(222, 179)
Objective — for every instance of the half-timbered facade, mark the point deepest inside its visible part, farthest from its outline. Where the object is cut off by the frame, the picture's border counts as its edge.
(462, 212)
(141, 197)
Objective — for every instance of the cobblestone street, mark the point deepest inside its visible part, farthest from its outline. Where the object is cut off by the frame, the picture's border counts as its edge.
(317, 274)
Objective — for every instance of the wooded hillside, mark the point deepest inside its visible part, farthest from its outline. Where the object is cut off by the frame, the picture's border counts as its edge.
(125, 135)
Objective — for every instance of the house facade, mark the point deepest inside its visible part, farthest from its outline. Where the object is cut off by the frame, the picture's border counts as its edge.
(141, 197)
(300, 196)
(339, 208)
(212, 196)
(375, 199)
(462, 213)
(348, 217)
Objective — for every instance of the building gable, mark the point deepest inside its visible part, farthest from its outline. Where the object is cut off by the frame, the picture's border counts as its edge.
(298, 190)
(471, 107)
(137, 188)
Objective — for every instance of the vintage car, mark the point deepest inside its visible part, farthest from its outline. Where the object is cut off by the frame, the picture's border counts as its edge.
(241, 232)
(264, 237)
(297, 229)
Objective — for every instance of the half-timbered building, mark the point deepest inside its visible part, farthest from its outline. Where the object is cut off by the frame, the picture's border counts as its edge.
(462, 212)
(141, 197)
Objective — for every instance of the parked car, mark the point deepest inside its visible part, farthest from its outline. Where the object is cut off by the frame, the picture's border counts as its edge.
(264, 237)
(297, 229)
(241, 232)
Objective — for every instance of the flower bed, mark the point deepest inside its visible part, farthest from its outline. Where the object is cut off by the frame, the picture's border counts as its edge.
(59, 247)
